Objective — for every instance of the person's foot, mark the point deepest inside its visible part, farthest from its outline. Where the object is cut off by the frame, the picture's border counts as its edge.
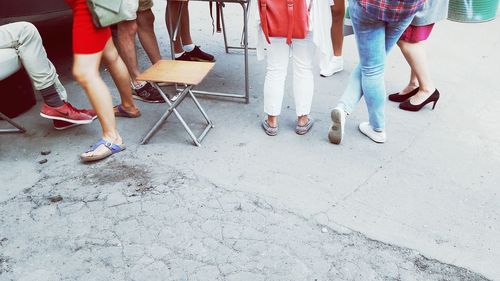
(92, 113)
(336, 132)
(63, 125)
(65, 112)
(198, 55)
(185, 57)
(122, 111)
(336, 64)
(270, 130)
(147, 93)
(421, 96)
(102, 149)
(304, 125)
(408, 89)
(367, 130)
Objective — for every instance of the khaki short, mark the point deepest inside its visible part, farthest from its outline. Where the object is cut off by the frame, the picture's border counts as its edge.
(145, 5)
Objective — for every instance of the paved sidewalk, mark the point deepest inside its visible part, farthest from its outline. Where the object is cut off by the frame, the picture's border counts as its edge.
(245, 206)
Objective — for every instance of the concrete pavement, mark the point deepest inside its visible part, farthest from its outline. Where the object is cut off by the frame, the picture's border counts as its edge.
(423, 206)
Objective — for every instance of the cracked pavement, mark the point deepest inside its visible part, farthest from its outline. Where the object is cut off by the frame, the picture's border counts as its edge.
(244, 206)
(151, 222)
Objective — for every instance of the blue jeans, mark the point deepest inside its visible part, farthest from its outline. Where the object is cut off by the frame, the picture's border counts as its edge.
(374, 38)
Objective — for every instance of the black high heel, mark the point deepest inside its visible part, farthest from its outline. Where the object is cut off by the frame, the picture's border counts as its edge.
(411, 107)
(401, 98)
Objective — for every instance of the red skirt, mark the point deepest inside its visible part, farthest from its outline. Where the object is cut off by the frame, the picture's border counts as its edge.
(415, 34)
(87, 39)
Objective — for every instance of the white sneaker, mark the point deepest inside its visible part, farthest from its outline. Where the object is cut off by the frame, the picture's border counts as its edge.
(336, 64)
(367, 130)
(336, 131)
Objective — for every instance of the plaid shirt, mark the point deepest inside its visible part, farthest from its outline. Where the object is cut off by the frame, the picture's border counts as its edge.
(391, 10)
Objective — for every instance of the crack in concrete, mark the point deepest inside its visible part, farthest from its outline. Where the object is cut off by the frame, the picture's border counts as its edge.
(152, 223)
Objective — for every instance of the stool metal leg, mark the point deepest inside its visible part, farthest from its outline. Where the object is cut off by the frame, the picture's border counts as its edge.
(165, 115)
(172, 109)
(18, 128)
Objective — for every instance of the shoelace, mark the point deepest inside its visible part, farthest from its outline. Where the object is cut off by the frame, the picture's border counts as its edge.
(77, 110)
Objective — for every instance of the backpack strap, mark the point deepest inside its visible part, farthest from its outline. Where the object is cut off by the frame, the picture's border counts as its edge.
(290, 4)
(263, 19)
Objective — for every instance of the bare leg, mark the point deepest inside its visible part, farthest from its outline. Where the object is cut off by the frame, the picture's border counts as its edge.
(86, 72)
(172, 15)
(185, 27)
(337, 31)
(126, 45)
(118, 71)
(145, 23)
(416, 57)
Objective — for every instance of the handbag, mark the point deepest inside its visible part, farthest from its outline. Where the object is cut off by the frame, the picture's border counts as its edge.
(108, 12)
(284, 18)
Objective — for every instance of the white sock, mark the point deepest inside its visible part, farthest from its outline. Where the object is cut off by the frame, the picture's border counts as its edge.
(178, 55)
(138, 84)
(188, 48)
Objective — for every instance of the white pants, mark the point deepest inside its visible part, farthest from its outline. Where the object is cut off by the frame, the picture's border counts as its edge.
(24, 39)
(278, 55)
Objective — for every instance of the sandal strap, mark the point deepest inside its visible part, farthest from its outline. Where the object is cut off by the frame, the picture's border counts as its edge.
(111, 146)
(122, 111)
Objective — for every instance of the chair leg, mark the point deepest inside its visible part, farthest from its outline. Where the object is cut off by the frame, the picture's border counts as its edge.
(18, 128)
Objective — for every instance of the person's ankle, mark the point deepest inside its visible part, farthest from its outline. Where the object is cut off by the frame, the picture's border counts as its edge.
(302, 120)
(137, 84)
(112, 137)
(189, 47)
(129, 107)
(427, 90)
(272, 120)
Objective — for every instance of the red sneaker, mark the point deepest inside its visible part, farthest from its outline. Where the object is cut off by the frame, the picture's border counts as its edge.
(63, 125)
(89, 112)
(65, 112)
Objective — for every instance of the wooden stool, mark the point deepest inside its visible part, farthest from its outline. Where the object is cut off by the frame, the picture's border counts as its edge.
(187, 73)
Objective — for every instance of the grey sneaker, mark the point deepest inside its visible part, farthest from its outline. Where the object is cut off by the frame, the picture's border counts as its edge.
(304, 129)
(270, 131)
(336, 131)
(148, 93)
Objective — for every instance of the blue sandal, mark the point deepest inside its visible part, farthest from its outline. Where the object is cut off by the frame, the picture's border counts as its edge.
(121, 112)
(112, 149)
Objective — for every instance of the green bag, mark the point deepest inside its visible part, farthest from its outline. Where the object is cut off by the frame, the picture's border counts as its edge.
(109, 12)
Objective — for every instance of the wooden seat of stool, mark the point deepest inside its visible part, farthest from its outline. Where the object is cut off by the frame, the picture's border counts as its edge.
(179, 72)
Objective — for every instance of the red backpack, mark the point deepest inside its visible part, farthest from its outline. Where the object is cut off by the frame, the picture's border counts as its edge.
(284, 18)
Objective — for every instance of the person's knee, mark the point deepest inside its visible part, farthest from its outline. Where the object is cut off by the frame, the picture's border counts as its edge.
(127, 29)
(29, 31)
(373, 72)
(84, 75)
(111, 57)
(337, 17)
(145, 19)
